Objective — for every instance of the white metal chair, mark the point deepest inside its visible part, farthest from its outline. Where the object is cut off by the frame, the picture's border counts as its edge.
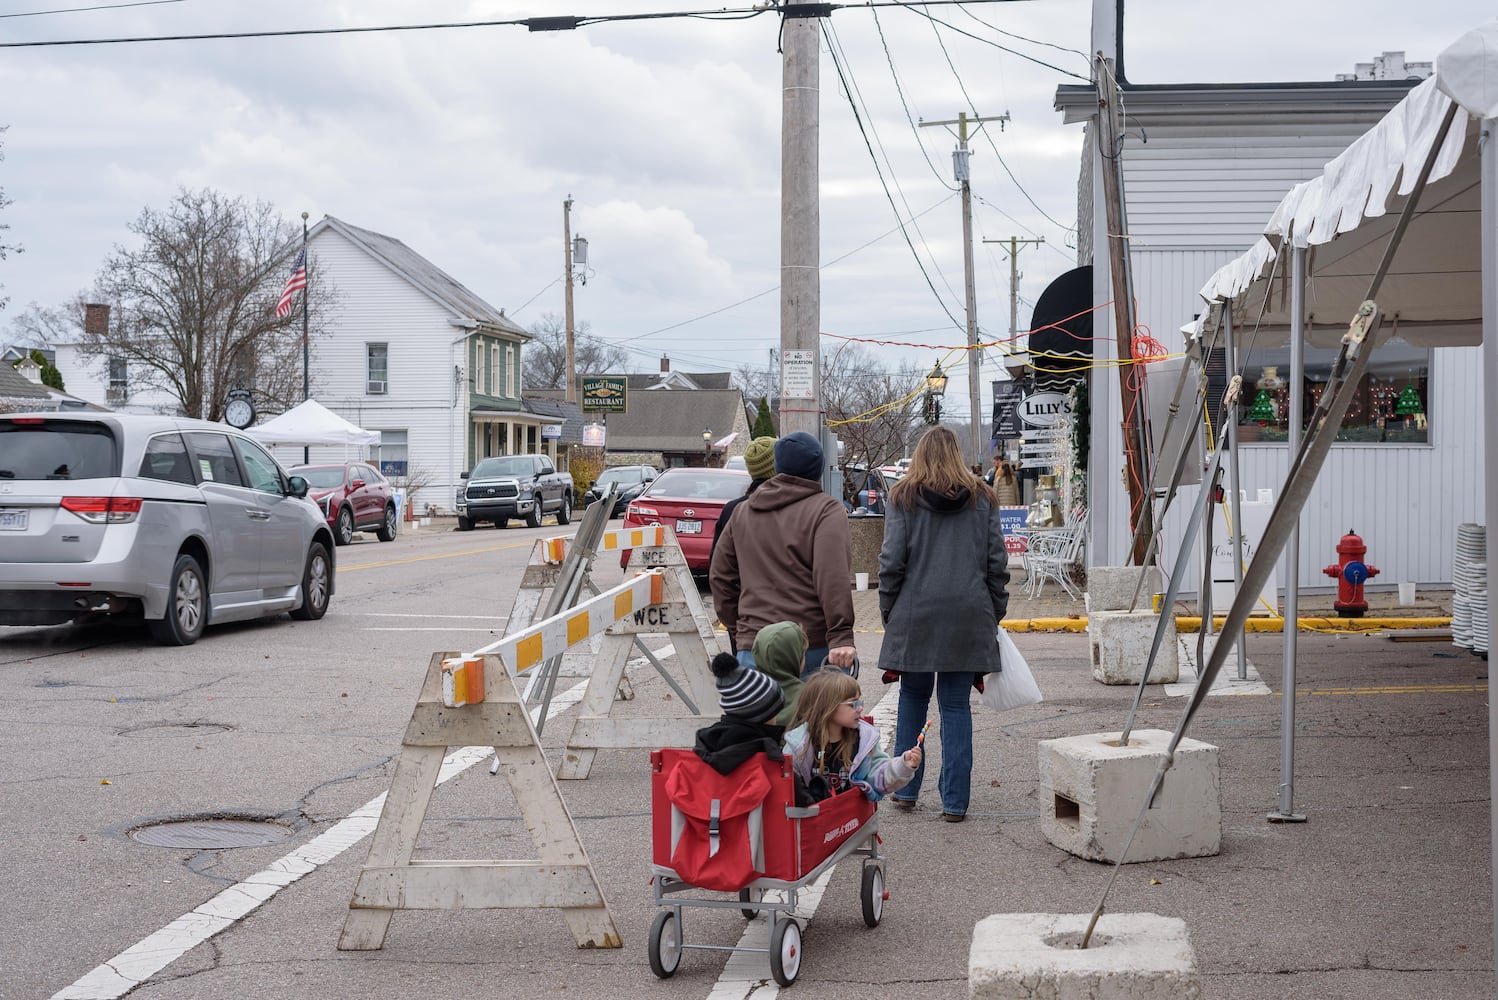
(1051, 556)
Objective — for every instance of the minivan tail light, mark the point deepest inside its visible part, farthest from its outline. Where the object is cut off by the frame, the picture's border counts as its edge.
(104, 510)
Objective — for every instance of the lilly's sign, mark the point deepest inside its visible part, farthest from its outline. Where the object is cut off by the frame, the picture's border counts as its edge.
(1044, 409)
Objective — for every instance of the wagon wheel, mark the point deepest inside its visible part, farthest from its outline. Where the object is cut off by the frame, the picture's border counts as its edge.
(665, 944)
(750, 896)
(785, 951)
(873, 894)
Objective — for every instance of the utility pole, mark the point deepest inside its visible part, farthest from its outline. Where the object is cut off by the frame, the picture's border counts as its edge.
(571, 346)
(1141, 518)
(961, 174)
(800, 221)
(1015, 244)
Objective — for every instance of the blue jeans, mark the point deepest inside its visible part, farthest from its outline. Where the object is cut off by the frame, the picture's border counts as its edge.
(952, 690)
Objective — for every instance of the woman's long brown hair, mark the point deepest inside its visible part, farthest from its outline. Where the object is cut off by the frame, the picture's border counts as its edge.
(937, 465)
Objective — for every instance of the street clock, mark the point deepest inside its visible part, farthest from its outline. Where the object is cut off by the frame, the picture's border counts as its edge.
(240, 410)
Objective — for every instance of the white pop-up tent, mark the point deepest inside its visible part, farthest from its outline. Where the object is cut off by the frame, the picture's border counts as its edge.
(1328, 239)
(311, 423)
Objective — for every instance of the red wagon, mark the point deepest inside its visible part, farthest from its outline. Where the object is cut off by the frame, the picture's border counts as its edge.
(744, 833)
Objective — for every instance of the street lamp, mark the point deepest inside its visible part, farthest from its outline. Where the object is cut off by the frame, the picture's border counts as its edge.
(936, 388)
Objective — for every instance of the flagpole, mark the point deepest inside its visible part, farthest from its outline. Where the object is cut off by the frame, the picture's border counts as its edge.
(306, 367)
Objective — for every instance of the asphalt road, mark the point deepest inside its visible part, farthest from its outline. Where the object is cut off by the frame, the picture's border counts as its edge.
(1383, 893)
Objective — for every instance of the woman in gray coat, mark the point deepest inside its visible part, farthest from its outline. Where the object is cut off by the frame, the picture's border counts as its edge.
(943, 589)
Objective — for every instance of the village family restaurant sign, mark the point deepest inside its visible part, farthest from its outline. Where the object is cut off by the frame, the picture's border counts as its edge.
(1044, 409)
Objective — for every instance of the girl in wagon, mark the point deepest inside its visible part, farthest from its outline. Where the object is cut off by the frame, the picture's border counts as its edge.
(832, 747)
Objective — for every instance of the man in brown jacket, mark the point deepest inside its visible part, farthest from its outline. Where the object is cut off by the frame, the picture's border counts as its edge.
(784, 557)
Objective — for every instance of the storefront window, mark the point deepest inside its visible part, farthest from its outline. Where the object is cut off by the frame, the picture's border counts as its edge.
(1389, 407)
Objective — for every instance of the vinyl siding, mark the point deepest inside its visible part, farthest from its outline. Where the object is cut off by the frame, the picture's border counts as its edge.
(1199, 196)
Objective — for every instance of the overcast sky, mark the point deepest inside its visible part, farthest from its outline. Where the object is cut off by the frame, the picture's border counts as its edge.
(463, 144)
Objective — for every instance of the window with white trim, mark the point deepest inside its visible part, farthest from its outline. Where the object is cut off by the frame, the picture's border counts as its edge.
(512, 382)
(377, 369)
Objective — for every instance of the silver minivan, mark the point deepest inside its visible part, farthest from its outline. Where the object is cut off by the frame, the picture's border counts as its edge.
(183, 522)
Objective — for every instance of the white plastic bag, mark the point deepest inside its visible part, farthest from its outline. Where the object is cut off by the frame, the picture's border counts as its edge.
(1013, 686)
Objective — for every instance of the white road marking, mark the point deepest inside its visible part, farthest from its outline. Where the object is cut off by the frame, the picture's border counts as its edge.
(141, 961)
(392, 614)
(747, 973)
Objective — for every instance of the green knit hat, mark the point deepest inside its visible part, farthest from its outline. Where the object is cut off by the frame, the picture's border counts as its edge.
(759, 458)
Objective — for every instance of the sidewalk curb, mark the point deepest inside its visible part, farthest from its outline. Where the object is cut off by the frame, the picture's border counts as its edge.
(1186, 623)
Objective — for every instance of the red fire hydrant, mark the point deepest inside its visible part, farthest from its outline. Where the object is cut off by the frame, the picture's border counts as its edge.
(1350, 573)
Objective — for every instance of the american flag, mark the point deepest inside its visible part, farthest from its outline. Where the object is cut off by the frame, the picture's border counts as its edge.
(297, 280)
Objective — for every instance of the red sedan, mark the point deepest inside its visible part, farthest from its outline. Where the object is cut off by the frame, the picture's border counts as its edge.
(688, 501)
(353, 497)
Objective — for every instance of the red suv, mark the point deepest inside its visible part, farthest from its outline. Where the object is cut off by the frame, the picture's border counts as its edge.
(353, 497)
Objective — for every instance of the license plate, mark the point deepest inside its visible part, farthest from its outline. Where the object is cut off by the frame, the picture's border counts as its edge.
(689, 527)
(15, 518)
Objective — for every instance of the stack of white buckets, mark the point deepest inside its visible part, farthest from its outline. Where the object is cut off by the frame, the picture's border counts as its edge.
(1469, 604)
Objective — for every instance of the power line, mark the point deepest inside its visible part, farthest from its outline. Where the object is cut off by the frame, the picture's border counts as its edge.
(564, 22)
(850, 85)
(906, 108)
(890, 198)
(1032, 41)
(774, 288)
(80, 10)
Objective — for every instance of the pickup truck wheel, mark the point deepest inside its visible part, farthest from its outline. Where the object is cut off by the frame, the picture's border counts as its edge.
(564, 514)
(533, 519)
(464, 524)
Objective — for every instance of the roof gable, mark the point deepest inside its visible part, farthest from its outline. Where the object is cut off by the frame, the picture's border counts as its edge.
(424, 275)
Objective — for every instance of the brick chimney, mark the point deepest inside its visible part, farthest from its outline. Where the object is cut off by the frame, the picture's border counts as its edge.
(665, 364)
(96, 319)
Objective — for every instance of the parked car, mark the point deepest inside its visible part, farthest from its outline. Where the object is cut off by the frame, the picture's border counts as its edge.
(688, 501)
(353, 497)
(864, 487)
(182, 522)
(630, 480)
(510, 486)
(737, 462)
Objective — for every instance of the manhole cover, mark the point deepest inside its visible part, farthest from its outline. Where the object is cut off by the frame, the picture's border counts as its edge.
(211, 834)
(166, 729)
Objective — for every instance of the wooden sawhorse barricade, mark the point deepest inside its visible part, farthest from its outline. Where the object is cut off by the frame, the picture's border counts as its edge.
(680, 616)
(561, 876)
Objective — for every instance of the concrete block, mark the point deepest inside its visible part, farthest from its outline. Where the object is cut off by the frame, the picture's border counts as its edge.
(1130, 956)
(1093, 790)
(1111, 588)
(865, 539)
(1120, 643)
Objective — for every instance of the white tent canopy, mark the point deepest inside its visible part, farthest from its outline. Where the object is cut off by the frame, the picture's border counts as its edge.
(311, 423)
(1432, 296)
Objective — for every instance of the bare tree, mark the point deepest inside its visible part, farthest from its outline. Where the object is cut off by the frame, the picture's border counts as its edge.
(6, 249)
(43, 326)
(869, 408)
(194, 304)
(546, 356)
(757, 383)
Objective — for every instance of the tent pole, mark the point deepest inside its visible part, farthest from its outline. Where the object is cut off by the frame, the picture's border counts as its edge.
(1489, 189)
(1235, 488)
(1286, 812)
